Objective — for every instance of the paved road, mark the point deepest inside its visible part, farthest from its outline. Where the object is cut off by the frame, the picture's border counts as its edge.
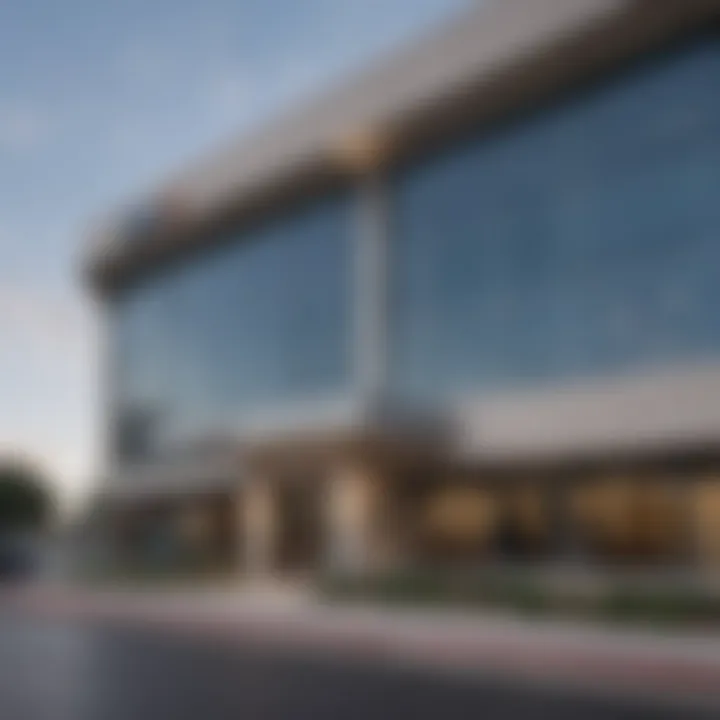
(63, 670)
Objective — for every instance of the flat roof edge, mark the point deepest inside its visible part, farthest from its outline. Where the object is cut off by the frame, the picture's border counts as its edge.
(484, 64)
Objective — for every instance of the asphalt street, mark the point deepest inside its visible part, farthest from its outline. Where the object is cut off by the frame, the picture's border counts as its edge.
(70, 670)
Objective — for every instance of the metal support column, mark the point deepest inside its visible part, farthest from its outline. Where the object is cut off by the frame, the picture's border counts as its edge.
(371, 291)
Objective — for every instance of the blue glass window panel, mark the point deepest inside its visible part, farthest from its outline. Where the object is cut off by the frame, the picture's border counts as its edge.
(264, 319)
(580, 241)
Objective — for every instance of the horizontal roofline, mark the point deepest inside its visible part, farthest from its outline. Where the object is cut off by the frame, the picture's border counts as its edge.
(496, 59)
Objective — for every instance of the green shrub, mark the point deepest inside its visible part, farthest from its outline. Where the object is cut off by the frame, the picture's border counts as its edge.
(680, 606)
(527, 596)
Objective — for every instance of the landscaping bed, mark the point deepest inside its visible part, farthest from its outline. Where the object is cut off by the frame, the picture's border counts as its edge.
(525, 594)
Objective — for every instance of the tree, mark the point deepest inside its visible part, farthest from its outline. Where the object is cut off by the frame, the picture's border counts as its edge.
(25, 499)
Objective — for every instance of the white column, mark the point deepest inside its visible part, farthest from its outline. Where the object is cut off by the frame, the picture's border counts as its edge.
(371, 287)
(258, 527)
(353, 520)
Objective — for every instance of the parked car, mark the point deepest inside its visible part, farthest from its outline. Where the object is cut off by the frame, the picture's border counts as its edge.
(17, 558)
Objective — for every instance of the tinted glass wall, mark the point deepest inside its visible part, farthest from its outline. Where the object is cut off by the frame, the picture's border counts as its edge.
(261, 320)
(582, 240)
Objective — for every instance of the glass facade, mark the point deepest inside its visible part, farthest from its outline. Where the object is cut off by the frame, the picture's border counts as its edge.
(582, 240)
(260, 320)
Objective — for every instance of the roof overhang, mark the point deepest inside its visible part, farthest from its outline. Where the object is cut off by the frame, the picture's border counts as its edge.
(645, 416)
(666, 412)
(498, 59)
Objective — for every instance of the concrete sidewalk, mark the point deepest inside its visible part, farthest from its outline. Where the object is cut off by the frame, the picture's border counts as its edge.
(678, 668)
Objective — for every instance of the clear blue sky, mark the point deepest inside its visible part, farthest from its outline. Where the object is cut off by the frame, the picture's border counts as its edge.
(100, 100)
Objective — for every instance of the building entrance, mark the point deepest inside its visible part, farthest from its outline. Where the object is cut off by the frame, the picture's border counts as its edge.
(300, 526)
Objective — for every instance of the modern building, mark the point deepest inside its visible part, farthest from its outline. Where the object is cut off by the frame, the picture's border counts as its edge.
(464, 307)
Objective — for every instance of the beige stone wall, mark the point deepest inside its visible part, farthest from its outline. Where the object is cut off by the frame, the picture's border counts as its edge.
(363, 519)
(352, 503)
